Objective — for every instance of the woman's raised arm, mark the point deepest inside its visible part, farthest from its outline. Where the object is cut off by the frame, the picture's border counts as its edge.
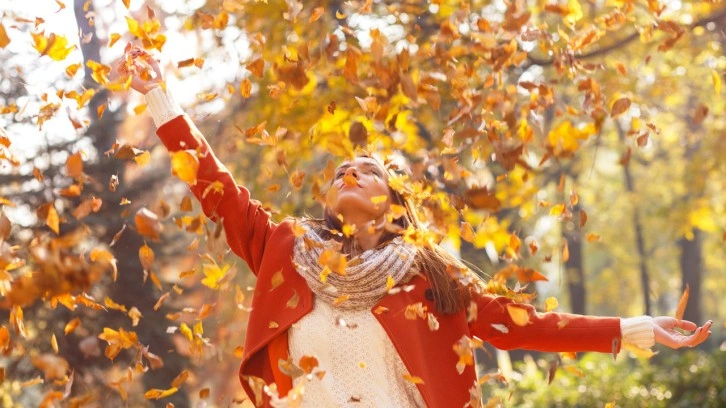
(246, 224)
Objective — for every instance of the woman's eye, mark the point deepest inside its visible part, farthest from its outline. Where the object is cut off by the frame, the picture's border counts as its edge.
(339, 175)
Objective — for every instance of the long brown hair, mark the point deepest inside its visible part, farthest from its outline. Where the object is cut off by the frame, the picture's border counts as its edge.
(440, 268)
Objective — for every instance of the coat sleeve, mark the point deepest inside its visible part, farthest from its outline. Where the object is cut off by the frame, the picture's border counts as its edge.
(246, 224)
(549, 332)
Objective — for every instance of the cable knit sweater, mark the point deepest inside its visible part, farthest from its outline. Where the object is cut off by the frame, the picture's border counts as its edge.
(362, 366)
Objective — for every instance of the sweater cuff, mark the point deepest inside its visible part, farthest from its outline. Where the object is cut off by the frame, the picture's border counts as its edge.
(162, 106)
(638, 331)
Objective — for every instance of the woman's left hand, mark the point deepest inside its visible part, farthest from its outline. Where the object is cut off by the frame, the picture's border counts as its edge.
(665, 333)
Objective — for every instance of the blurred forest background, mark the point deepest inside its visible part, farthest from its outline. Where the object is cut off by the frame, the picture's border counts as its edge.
(582, 139)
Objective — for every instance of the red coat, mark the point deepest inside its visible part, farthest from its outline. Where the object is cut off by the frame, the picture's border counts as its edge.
(267, 248)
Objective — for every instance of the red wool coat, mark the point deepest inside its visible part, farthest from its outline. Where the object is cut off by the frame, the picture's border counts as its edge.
(267, 248)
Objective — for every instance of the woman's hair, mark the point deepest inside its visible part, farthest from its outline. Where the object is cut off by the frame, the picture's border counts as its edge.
(438, 266)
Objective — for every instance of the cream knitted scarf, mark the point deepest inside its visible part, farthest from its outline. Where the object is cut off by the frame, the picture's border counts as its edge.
(365, 277)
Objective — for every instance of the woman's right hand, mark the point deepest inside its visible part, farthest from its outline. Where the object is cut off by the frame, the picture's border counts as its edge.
(142, 67)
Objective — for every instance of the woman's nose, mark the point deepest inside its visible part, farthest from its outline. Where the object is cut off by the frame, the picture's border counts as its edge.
(351, 171)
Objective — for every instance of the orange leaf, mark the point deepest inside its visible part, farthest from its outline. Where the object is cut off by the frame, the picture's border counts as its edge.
(308, 364)
(316, 14)
(4, 39)
(146, 256)
(256, 67)
(72, 325)
(682, 303)
(518, 314)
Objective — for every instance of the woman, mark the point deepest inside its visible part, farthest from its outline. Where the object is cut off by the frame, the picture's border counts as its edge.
(390, 324)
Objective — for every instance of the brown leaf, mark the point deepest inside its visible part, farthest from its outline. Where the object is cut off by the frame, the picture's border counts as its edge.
(358, 134)
(148, 224)
(619, 107)
(682, 303)
(256, 67)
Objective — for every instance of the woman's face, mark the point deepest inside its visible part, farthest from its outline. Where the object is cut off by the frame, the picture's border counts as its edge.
(359, 189)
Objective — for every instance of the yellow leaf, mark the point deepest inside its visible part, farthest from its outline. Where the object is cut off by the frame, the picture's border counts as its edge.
(518, 314)
(139, 109)
(143, 159)
(682, 303)
(213, 274)
(340, 299)
(53, 343)
(184, 164)
(72, 69)
(413, 379)
(379, 199)
(390, 283)
(339, 15)
(716, 81)
(113, 38)
(127, 3)
(158, 394)
(574, 11)
(557, 210)
(551, 304)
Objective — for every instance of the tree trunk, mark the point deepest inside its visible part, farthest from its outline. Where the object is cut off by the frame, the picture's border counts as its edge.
(639, 235)
(575, 270)
(129, 289)
(691, 261)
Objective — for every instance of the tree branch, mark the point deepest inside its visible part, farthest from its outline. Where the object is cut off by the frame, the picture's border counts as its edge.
(625, 41)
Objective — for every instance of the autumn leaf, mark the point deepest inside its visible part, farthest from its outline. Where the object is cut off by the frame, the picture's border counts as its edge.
(185, 164)
(213, 273)
(308, 364)
(518, 314)
(72, 325)
(4, 39)
(158, 394)
(551, 304)
(146, 256)
(716, 78)
(682, 303)
(148, 224)
(413, 379)
(619, 107)
(54, 46)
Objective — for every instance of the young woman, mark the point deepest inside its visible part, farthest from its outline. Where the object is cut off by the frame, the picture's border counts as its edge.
(393, 328)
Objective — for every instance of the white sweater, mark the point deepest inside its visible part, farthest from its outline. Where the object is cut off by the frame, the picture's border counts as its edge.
(362, 368)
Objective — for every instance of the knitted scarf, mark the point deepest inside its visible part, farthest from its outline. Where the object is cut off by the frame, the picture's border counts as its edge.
(365, 277)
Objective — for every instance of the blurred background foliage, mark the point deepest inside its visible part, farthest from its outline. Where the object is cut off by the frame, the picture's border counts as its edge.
(584, 139)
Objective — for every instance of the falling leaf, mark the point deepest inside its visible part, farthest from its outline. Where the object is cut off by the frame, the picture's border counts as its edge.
(256, 67)
(147, 224)
(619, 107)
(185, 164)
(551, 304)
(276, 280)
(158, 394)
(518, 314)
(180, 379)
(316, 14)
(557, 210)
(308, 364)
(146, 256)
(4, 39)
(113, 38)
(413, 379)
(72, 69)
(716, 81)
(53, 343)
(682, 303)
(72, 325)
